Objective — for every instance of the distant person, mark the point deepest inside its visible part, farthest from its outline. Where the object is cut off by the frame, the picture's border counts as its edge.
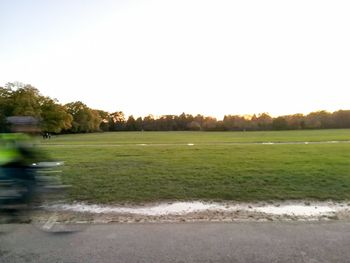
(46, 135)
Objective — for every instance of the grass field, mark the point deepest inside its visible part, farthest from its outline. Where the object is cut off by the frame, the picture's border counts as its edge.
(157, 166)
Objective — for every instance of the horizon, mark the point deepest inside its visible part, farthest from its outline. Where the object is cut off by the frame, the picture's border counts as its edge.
(157, 116)
(198, 57)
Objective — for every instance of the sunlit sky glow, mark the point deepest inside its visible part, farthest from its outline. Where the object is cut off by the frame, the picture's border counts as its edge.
(168, 57)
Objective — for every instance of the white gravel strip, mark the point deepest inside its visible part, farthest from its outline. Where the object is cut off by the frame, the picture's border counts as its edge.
(304, 209)
(298, 210)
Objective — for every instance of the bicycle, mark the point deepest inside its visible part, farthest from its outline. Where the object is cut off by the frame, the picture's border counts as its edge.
(26, 201)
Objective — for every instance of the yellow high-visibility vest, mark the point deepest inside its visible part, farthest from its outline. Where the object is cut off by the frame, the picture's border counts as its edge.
(9, 151)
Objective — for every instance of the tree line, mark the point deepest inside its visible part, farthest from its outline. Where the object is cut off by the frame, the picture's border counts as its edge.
(17, 99)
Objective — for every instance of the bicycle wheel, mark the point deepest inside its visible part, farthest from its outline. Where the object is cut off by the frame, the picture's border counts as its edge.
(55, 222)
(46, 217)
(11, 206)
(6, 222)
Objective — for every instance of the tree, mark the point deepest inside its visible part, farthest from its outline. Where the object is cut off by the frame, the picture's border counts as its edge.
(264, 121)
(166, 123)
(131, 124)
(19, 99)
(183, 121)
(26, 101)
(95, 120)
(318, 119)
(54, 117)
(194, 126)
(295, 121)
(84, 118)
(199, 119)
(209, 124)
(235, 122)
(117, 121)
(104, 116)
(139, 124)
(149, 123)
(341, 119)
(5, 106)
(279, 123)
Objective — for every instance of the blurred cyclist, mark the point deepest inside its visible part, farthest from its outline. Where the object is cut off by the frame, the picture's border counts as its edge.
(17, 155)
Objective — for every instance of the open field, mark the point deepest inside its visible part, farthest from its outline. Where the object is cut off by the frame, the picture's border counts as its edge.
(158, 166)
(202, 137)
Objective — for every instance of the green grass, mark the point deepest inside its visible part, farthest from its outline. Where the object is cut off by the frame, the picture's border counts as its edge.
(112, 168)
(201, 137)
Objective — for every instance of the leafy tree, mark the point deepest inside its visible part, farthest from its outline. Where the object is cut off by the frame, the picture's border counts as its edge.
(194, 126)
(199, 119)
(139, 124)
(95, 120)
(26, 102)
(5, 106)
(54, 117)
(209, 124)
(318, 119)
(279, 123)
(183, 121)
(295, 121)
(264, 121)
(166, 123)
(18, 99)
(341, 119)
(149, 123)
(6, 101)
(131, 124)
(235, 122)
(104, 116)
(84, 118)
(117, 121)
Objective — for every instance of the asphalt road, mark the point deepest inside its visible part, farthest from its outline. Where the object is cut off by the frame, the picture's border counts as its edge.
(185, 242)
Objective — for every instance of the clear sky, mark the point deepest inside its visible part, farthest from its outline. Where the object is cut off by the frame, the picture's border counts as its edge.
(172, 56)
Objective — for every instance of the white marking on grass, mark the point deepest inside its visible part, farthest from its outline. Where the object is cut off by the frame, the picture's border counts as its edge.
(191, 144)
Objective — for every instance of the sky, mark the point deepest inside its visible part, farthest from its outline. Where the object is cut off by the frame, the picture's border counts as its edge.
(172, 56)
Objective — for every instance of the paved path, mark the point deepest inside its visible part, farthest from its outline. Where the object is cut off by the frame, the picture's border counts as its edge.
(187, 242)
